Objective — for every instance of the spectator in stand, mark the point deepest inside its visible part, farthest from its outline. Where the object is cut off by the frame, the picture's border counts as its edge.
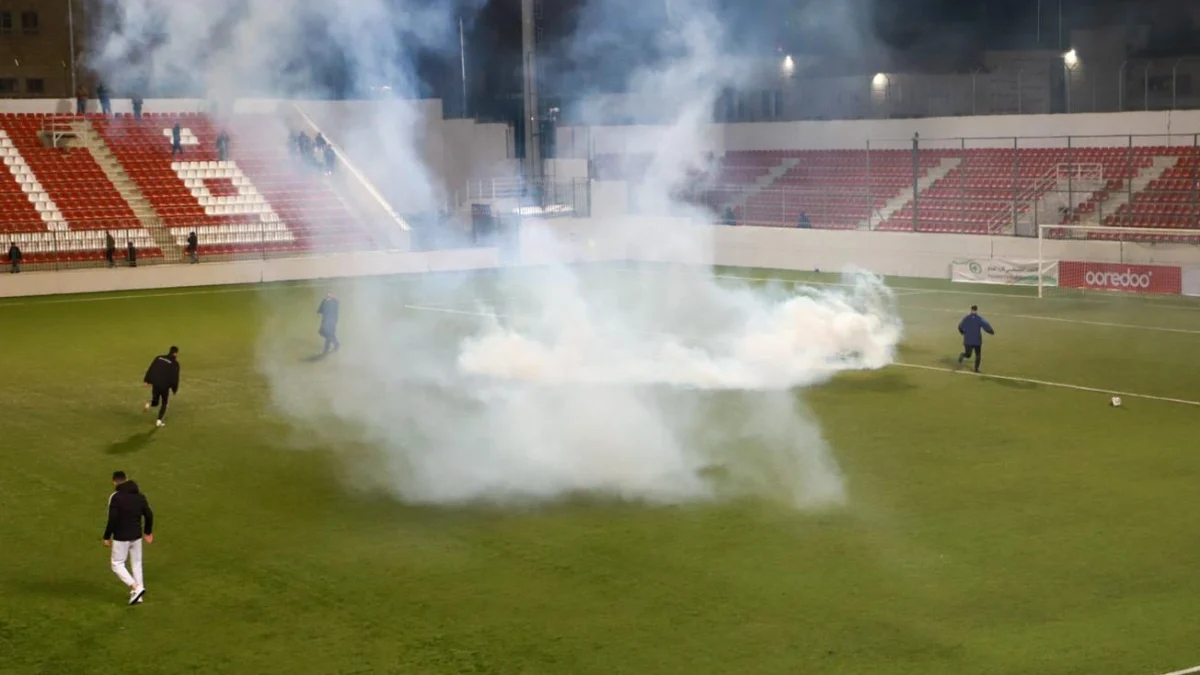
(110, 249)
(803, 222)
(330, 160)
(730, 219)
(176, 140)
(105, 101)
(193, 247)
(81, 99)
(304, 144)
(137, 106)
(14, 258)
(223, 146)
(131, 254)
(319, 142)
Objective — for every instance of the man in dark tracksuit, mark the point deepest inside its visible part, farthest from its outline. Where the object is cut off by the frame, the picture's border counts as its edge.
(972, 327)
(163, 379)
(14, 258)
(193, 247)
(124, 533)
(329, 320)
(110, 249)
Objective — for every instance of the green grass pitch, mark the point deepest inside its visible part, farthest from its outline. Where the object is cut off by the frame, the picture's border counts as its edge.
(992, 525)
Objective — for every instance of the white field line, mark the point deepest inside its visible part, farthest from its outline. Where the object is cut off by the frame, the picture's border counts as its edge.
(916, 366)
(1082, 322)
(1185, 671)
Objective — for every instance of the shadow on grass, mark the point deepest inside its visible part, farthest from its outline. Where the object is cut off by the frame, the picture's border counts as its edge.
(315, 358)
(65, 588)
(132, 444)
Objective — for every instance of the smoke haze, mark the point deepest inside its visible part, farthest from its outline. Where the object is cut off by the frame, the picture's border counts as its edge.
(657, 387)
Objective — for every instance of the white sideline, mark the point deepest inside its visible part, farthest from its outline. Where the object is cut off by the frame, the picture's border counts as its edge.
(1009, 378)
(1044, 383)
(1082, 322)
(1185, 671)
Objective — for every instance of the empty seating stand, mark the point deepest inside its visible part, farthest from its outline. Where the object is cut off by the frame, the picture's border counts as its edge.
(258, 200)
(974, 193)
(56, 203)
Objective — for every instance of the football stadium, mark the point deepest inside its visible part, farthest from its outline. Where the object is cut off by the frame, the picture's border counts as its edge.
(683, 336)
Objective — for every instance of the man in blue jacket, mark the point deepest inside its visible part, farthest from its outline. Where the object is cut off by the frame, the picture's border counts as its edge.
(972, 327)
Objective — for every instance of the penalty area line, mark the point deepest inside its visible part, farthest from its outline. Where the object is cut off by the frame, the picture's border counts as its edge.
(1058, 385)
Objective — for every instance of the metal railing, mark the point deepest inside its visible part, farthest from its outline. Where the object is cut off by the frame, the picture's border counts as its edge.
(981, 185)
(549, 197)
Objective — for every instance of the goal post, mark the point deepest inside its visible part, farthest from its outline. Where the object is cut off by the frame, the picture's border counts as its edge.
(1153, 261)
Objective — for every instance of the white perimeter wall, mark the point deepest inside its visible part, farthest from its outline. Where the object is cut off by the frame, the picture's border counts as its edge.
(887, 253)
(1095, 129)
(627, 238)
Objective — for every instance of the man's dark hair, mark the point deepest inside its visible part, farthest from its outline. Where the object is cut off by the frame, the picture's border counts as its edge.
(974, 308)
(118, 475)
(173, 350)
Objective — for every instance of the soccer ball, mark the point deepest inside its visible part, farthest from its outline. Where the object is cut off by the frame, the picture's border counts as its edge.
(1116, 401)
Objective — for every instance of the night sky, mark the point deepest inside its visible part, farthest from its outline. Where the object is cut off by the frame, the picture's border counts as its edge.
(937, 35)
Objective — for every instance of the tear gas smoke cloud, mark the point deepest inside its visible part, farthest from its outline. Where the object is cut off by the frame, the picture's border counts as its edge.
(587, 386)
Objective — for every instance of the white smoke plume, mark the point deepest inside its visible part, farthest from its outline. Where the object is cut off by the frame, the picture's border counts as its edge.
(635, 385)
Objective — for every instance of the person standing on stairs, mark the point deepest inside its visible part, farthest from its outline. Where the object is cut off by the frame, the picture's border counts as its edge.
(137, 101)
(176, 140)
(105, 101)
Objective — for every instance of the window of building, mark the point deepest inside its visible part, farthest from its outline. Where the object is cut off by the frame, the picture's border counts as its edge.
(6, 24)
(35, 85)
(29, 23)
(8, 85)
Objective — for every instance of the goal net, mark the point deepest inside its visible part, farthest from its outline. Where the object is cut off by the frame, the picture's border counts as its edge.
(1098, 258)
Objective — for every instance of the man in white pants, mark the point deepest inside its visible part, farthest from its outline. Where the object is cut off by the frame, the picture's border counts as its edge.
(124, 533)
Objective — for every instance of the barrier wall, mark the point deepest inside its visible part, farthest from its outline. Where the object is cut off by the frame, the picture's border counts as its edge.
(1171, 127)
(373, 263)
(642, 239)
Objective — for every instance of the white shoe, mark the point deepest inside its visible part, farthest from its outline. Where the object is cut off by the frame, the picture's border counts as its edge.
(159, 423)
(145, 407)
(136, 595)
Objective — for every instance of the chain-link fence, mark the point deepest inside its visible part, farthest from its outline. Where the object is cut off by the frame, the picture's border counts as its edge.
(1065, 83)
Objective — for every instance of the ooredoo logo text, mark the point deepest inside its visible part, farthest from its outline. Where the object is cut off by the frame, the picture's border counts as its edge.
(1125, 279)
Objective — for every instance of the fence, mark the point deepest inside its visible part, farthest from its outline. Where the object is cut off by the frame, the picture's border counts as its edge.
(1028, 85)
(975, 185)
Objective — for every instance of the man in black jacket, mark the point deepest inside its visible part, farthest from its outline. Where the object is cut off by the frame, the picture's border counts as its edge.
(124, 533)
(14, 257)
(110, 249)
(163, 379)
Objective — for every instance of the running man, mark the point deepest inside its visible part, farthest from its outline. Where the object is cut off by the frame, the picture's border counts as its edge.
(972, 327)
(163, 379)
